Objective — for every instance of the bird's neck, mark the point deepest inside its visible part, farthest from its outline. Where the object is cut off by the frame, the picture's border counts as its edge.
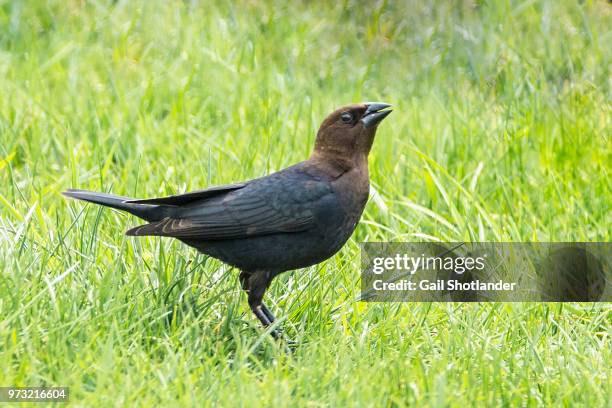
(336, 163)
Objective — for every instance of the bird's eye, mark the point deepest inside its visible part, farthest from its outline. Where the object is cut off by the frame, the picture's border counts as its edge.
(346, 117)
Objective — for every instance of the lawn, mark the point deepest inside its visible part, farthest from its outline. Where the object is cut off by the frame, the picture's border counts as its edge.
(500, 132)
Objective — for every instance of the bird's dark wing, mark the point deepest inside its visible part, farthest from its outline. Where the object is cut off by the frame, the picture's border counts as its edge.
(279, 203)
(187, 198)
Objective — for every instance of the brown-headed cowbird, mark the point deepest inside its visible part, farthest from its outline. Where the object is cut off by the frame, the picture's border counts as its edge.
(291, 219)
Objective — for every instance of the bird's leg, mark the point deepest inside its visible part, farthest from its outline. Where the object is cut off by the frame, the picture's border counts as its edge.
(268, 313)
(255, 285)
(258, 311)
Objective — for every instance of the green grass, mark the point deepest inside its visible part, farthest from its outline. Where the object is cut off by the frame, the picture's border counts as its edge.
(501, 131)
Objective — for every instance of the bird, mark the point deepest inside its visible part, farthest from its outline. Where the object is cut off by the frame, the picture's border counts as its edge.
(291, 219)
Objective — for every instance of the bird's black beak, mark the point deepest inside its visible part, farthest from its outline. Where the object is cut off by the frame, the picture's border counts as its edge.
(375, 113)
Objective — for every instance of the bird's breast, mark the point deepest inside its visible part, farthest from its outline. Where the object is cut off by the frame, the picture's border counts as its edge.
(352, 190)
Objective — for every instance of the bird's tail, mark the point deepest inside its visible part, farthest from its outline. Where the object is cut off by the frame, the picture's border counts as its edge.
(144, 211)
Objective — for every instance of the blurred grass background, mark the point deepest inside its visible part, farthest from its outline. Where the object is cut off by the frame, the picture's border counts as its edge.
(501, 131)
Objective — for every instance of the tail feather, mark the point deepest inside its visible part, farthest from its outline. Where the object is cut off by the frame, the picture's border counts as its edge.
(147, 212)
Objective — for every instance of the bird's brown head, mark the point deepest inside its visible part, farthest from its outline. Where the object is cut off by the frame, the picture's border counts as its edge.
(348, 132)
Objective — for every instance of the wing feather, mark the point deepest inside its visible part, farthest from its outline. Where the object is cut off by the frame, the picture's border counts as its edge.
(270, 205)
